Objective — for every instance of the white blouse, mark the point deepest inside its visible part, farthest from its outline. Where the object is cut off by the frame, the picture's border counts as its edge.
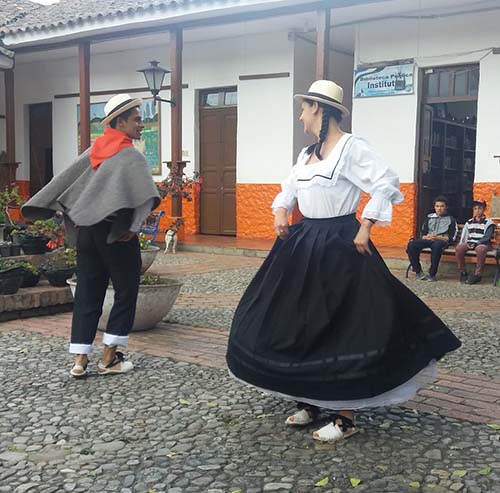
(332, 187)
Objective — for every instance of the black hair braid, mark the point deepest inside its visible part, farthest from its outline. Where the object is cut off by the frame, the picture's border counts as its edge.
(325, 122)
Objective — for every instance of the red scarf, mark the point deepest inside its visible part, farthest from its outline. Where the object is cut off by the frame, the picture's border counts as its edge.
(109, 144)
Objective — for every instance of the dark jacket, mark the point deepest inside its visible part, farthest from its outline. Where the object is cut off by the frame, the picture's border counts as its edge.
(440, 226)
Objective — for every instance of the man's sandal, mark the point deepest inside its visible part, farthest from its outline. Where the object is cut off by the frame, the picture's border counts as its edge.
(118, 365)
(301, 418)
(79, 371)
(334, 431)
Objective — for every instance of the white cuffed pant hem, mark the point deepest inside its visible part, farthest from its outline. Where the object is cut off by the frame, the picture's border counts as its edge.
(112, 340)
(81, 348)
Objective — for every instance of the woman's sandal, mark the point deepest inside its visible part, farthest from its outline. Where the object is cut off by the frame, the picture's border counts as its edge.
(79, 371)
(334, 431)
(301, 418)
(118, 365)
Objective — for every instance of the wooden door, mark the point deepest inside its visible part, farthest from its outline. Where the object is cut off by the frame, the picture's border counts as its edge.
(218, 170)
(426, 177)
(40, 135)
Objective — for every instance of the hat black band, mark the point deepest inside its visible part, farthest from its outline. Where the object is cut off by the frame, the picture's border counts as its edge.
(322, 96)
(121, 105)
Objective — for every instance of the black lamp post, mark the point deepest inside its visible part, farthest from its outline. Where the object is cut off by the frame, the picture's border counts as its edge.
(154, 75)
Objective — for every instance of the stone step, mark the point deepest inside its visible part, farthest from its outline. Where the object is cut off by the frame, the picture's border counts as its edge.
(41, 300)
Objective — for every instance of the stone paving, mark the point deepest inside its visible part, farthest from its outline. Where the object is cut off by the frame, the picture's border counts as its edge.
(180, 424)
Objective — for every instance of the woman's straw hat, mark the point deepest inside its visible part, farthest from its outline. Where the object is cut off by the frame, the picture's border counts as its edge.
(326, 92)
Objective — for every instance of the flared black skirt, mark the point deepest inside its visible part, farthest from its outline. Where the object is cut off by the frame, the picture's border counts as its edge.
(321, 321)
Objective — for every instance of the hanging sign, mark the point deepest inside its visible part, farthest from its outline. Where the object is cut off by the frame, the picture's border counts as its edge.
(386, 80)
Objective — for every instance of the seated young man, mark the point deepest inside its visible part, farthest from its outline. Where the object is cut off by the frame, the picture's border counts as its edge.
(438, 231)
(476, 235)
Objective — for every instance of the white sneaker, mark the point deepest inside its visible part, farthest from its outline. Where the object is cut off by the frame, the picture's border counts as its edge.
(118, 365)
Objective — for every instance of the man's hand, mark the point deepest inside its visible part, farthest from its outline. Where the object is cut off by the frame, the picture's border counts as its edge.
(471, 246)
(362, 239)
(127, 236)
(281, 223)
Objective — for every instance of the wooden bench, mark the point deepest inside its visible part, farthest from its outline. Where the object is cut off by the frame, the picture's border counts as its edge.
(493, 253)
(152, 224)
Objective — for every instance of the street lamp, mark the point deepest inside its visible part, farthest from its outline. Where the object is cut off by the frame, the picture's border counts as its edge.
(154, 75)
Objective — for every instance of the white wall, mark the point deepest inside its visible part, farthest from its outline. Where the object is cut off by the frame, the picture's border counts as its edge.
(488, 121)
(264, 112)
(390, 122)
(304, 74)
(341, 70)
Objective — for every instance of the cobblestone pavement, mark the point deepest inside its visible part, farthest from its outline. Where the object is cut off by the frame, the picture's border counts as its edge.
(175, 427)
(180, 427)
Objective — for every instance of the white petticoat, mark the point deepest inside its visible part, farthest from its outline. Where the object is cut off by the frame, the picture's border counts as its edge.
(402, 393)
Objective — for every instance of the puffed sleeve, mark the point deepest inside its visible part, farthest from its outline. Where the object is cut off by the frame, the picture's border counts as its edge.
(287, 198)
(369, 172)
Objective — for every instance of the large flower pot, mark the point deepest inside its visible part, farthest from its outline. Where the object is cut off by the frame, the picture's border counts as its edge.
(153, 303)
(11, 280)
(30, 279)
(148, 257)
(34, 245)
(58, 278)
(5, 249)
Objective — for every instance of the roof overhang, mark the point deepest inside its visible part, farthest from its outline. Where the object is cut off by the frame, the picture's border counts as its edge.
(189, 14)
(6, 58)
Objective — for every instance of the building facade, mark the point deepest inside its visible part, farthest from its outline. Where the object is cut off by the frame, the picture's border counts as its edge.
(241, 65)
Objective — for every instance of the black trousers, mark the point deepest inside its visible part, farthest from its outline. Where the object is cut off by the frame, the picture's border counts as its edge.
(97, 263)
(416, 246)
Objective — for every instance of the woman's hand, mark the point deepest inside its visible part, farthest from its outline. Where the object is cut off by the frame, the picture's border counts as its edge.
(362, 239)
(281, 223)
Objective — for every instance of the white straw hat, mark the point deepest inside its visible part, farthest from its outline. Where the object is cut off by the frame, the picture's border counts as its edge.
(326, 92)
(117, 105)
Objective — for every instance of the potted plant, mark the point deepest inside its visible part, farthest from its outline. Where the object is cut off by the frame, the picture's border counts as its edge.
(8, 249)
(31, 275)
(11, 278)
(148, 252)
(156, 297)
(2, 225)
(178, 184)
(60, 267)
(34, 238)
(9, 198)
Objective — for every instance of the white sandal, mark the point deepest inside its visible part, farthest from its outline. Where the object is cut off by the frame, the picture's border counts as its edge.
(118, 365)
(300, 418)
(334, 432)
(78, 371)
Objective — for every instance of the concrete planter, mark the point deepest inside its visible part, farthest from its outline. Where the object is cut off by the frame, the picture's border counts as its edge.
(148, 257)
(153, 303)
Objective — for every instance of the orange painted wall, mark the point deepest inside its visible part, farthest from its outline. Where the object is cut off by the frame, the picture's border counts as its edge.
(485, 190)
(254, 218)
(24, 188)
(403, 219)
(190, 213)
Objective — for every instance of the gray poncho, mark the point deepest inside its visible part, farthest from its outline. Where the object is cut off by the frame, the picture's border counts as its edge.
(87, 196)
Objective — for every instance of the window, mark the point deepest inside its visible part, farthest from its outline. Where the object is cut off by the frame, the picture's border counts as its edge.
(223, 97)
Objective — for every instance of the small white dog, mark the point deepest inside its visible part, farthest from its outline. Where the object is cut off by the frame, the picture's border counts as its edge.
(170, 239)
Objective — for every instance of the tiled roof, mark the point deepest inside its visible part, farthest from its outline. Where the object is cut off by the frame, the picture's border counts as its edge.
(71, 12)
(15, 10)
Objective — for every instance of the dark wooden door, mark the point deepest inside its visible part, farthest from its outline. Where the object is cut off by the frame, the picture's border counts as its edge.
(40, 130)
(218, 170)
(426, 178)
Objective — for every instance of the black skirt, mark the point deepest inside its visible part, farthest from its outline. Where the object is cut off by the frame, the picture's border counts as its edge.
(321, 321)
